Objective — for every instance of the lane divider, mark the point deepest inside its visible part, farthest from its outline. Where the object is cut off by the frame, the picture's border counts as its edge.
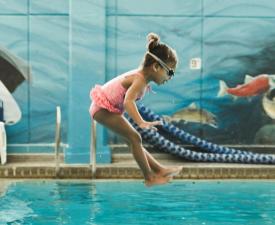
(215, 153)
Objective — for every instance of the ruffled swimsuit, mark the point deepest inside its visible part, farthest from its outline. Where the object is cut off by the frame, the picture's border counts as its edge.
(110, 96)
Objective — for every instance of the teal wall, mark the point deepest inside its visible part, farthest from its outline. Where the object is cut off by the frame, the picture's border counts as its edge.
(72, 45)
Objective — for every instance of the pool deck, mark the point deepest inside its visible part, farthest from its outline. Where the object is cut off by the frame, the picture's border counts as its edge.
(21, 166)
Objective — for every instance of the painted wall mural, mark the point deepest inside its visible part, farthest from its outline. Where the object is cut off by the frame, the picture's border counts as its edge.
(228, 101)
(72, 45)
(14, 71)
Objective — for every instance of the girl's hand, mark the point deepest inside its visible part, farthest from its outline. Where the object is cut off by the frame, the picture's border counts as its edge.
(148, 125)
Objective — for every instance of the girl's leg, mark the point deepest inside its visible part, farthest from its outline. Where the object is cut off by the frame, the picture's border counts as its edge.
(154, 164)
(120, 125)
(160, 169)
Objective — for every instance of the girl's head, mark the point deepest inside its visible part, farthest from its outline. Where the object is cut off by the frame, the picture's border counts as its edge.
(160, 59)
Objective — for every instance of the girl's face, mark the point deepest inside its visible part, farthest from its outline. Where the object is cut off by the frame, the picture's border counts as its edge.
(160, 74)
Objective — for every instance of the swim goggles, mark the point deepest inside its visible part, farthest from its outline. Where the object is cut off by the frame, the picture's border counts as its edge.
(170, 72)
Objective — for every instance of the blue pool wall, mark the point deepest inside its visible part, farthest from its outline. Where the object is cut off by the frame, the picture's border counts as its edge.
(73, 45)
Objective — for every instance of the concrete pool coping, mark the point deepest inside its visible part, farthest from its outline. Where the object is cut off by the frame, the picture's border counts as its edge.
(123, 166)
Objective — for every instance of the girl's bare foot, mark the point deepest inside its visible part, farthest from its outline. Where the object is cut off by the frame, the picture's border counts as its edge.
(157, 180)
(170, 171)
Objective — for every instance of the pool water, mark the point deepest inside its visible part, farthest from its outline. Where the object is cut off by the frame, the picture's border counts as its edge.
(129, 202)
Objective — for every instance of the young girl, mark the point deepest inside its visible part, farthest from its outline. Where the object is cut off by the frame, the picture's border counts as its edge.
(110, 100)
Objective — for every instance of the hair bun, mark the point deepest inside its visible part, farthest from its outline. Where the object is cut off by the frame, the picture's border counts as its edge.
(153, 40)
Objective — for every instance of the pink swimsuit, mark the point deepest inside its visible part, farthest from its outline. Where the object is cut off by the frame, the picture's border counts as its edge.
(111, 95)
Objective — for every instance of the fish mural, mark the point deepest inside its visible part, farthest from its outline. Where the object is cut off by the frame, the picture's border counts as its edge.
(252, 86)
(11, 111)
(194, 114)
(269, 103)
(265, 135)
(13, 71)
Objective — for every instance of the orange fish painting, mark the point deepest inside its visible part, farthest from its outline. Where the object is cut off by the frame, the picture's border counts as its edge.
(252, 86)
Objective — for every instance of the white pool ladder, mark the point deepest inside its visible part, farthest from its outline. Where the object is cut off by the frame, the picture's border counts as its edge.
(3, 143)
(93, 149)
(57, 139)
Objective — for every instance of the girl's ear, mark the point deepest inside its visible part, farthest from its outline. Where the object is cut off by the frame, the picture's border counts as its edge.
(155, 67)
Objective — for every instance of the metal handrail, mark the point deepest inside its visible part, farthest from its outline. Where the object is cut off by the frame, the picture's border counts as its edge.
(93, 149)
(57, 139)
(3, 143)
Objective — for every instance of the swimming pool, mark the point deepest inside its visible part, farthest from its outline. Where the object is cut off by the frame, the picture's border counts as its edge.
(129, 202)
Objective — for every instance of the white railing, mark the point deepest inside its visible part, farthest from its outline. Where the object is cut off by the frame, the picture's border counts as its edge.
(57, 139)
(3, 143)
(93, 149)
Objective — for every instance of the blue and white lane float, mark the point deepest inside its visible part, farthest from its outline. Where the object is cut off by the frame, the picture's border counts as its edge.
(216, 153)
(186, 137)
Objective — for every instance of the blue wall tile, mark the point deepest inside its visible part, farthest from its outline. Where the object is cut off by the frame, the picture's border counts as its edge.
(49, 6)
(50, 65)
(87, 69)
(160, 7)
(88, 7)
(13, 6)
(239, 8)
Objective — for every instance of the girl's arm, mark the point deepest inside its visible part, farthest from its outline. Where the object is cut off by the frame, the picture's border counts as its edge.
(132, 94)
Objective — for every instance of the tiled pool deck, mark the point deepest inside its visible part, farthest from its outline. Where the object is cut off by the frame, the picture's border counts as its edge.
(124, 167)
